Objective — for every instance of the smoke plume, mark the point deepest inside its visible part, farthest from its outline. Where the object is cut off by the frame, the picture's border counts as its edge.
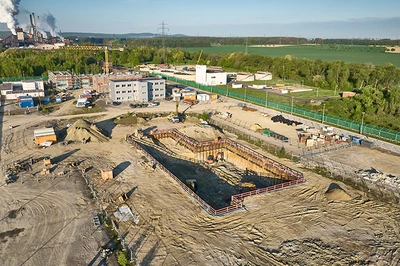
(8, 11)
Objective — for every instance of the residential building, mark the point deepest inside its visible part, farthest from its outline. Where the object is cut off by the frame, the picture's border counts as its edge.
(60, 79)
(101, 82)
(139, 90)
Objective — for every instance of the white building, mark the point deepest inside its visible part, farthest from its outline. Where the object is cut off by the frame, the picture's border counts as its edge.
(210, 78)
(137, 90)
(13, 90)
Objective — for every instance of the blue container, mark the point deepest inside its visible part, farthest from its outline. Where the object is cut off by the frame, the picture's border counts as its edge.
(46, 100)
(26, 101)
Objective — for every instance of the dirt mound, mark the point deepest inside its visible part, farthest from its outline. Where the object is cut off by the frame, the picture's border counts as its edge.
(202, 132)
(335, 192)
(82, 129)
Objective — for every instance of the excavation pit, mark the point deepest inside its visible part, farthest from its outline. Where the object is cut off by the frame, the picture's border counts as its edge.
(220, 173)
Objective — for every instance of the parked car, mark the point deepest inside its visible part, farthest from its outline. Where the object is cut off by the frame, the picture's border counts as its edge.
(175, 119)
(133, 105)
(116, 103)
(154, 103)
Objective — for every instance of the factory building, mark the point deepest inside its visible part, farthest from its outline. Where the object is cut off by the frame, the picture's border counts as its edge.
(16, 89)
(139, 90)
(209, 77)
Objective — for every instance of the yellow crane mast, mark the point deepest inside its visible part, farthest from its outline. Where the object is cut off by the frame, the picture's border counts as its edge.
(93, 48)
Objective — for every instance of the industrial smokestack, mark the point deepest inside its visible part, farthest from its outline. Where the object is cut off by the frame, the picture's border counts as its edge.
(8, 11)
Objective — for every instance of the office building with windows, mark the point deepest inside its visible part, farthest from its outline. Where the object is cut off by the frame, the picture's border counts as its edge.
(137, 90)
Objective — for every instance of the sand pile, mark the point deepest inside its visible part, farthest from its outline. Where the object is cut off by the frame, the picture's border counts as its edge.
(201, 132)
(335, 192)
(82, 129)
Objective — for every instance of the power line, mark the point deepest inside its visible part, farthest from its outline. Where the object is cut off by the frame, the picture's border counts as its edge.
(163, 28)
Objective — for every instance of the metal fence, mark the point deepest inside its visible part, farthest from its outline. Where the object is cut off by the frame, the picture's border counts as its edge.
(334, 120)
(237, 200)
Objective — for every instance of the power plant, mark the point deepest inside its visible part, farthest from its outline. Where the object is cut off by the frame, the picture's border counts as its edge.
(35, 35)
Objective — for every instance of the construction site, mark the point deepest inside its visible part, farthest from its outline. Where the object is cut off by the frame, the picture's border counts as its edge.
(182, 193)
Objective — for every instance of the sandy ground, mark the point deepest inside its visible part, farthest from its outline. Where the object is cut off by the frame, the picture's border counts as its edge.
(296, 226)
(396, 49)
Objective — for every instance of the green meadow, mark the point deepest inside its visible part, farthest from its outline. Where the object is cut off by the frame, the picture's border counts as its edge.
(356, 54)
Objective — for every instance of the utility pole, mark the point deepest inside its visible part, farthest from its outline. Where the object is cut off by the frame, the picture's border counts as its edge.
(163, 29)
(323, 113)
(246, 45)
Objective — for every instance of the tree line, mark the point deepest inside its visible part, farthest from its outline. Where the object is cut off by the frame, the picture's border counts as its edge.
(377, 86)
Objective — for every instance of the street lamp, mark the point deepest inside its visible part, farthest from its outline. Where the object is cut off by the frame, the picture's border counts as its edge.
(317, 91)
(323, 113)
(245, 91)
(227, 90)
(266, 98)
(362, 123)
(291, 110)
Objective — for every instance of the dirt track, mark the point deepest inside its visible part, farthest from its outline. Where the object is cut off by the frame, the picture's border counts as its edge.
(296, 226)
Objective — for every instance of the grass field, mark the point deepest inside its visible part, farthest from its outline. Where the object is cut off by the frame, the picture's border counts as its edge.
(357, 54)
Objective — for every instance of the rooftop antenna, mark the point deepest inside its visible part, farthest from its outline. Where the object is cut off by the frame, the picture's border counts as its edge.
(163, 28)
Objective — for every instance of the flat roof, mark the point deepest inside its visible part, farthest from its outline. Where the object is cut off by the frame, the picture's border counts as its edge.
(6, 86)
(23, 91)
(137, 79)
(43, 132)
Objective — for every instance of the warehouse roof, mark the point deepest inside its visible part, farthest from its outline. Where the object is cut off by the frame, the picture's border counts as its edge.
(43, 132)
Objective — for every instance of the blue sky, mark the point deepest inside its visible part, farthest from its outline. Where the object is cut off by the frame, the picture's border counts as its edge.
(305, 18)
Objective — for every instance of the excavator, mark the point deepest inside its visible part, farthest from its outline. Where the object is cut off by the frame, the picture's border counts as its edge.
(247, 186)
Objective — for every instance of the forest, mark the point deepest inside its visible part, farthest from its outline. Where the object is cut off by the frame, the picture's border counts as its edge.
(377, 86)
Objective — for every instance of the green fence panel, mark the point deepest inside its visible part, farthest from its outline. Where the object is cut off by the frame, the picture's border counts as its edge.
(334, 120)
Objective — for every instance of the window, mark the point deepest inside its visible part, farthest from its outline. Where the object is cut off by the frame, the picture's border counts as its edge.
(156, 83)
(129, 85)
(129, 97)
(123, 98)
(118, 98)
(144, 92)
(123, 85)
(157, 89)
(134, 90)
(123, 92)
(129, 91)
(117, 86)
(151, 89)
(134, 84)
(117, 92)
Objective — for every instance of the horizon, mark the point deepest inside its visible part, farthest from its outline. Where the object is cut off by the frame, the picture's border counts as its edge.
(286, 18)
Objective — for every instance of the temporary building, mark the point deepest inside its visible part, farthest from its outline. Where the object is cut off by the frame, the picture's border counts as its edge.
(25, 101)
(44, 135)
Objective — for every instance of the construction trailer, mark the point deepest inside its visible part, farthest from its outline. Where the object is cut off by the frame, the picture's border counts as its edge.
(43, 135)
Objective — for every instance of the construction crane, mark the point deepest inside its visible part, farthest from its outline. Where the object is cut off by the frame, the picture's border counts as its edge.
(93, 48)
(198, 60)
